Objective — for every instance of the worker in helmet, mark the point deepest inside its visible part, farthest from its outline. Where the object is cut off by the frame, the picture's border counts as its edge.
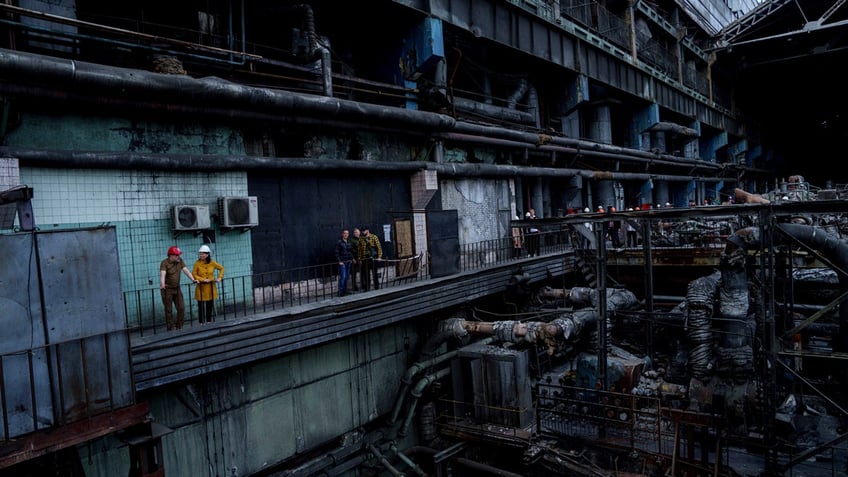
(206, 292)
(169, 285)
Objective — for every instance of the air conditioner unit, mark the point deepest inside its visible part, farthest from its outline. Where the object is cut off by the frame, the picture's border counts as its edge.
(236, 212)
(191, 217)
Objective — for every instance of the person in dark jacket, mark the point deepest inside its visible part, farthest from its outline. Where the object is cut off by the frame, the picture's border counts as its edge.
(344, 256)
(368, 253)
(533, 238)
(354, 267)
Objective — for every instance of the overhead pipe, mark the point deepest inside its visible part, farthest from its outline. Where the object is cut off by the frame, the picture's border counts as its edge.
(202, 162)
(40, 76)
(492, 111)
(571, 150)
(39, 71)
(674, 128)
(583, 145)
(500, 170)
(197, 162)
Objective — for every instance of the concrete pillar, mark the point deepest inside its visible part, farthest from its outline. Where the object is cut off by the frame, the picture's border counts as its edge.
(658, 141)
(537, 200)
(600, 129)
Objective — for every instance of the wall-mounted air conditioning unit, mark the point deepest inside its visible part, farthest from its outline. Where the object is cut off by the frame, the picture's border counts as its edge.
(235, 212)
(191, 217)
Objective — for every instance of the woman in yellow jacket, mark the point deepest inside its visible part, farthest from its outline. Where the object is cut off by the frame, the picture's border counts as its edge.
(206, 291)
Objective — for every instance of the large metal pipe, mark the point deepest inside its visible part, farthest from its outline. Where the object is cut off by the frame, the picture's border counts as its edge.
(317, 50)
(834, 250)
(200, 162)
(45, 73)
(55, 78)
(569, 150)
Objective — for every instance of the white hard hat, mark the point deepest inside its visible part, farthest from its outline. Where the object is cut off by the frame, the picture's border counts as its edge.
(586, 210)
(204, 249)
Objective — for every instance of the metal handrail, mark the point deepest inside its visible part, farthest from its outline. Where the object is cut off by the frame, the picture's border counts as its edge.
(258, 293)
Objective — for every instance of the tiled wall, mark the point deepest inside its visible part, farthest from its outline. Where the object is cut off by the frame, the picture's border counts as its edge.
(139, 204)
(9, 177)
(9, 173)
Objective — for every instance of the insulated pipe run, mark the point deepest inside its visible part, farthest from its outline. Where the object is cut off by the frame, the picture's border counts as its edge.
(837, 252)
(540, 139)
(497, 112)
(553, 148)
(50, 77)
(700, 299)
(733, 293)
(44, 75)
(196, 162)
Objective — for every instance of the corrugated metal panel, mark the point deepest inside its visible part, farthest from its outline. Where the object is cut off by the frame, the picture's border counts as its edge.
(491, 384)
(78, 324)
(22, 330)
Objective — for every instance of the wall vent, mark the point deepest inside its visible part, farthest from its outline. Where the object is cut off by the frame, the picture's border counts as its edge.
(236, 212)
(191, 217)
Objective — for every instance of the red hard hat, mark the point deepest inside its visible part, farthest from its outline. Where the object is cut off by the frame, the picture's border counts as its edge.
(175, 251)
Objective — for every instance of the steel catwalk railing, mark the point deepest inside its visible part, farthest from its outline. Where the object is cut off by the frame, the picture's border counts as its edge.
(265, 292)
(247, 295)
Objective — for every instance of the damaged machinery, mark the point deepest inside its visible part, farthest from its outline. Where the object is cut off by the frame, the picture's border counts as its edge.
(742, 373)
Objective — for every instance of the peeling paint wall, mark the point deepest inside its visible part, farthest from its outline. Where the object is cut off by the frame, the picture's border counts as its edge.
(483, 207)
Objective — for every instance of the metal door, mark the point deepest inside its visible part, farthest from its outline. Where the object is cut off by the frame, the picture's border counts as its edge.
(443, 239)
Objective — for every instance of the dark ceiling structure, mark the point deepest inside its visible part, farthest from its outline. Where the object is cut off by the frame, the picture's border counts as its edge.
(790, 58)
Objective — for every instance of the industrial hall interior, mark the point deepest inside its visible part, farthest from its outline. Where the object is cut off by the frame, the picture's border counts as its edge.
(429, 238)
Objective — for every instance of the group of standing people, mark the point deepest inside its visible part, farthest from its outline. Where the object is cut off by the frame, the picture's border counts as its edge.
(358, 255)
(205, 274)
